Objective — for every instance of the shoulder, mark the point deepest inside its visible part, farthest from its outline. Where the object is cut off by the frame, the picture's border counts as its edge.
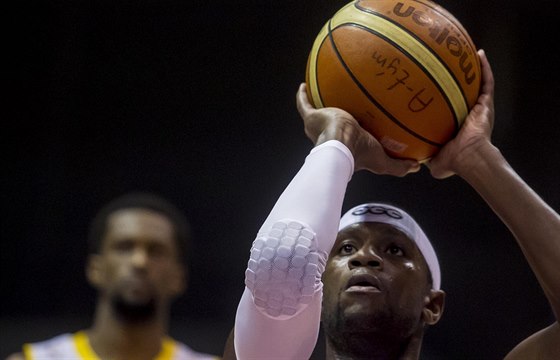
(54, 341)
(544, 344)
(16, 356)
(54, 348)
(27, 347)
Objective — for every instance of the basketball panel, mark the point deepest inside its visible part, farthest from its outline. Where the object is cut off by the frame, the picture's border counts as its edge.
(395, 83)
(399, 143)
(335, 87)
(413, 47)
(311, 73)
(338, 89)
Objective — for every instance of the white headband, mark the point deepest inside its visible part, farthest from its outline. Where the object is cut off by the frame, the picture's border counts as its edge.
(388, 214)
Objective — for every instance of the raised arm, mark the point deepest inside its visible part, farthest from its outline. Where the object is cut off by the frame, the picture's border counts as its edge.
(533, 223)
(279, 312)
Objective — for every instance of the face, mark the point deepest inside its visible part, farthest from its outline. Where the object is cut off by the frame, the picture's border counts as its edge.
(138, 264)
(375, 277)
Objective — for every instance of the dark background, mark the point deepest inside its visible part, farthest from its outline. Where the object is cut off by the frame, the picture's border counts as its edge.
(196, 101)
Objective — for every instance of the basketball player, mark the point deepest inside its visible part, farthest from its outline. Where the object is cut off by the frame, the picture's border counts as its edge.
(137, 245)
(372, 278)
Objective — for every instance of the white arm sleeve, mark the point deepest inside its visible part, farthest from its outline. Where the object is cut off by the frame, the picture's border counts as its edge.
(279, 313)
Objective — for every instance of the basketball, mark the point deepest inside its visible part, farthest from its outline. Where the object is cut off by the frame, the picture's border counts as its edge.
(407, 70)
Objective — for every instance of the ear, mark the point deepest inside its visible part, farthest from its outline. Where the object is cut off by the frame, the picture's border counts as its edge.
(434, 303)
(94, 270)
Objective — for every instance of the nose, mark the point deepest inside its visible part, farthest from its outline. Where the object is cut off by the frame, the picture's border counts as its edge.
(139, 258)
(366, 257)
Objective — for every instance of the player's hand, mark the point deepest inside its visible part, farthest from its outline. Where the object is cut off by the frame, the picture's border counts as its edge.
(330, 123)
(474, 136)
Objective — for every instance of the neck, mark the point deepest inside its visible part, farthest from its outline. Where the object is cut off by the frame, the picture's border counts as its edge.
(112, 338)
(372, 346)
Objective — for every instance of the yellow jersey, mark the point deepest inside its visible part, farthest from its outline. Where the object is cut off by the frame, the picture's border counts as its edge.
(76, 346)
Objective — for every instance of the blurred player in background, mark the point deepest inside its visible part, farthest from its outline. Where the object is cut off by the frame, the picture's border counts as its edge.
(138, 246)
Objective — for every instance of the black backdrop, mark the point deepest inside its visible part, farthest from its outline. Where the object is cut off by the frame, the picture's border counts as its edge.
(196, 101)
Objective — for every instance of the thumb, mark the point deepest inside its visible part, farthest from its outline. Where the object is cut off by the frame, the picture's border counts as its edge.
(399, 167)
(436, 170)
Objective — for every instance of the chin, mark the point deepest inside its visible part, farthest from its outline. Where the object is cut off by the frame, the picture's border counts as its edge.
(371, 316)
(137, 298)
(134, 310)
(363, 306)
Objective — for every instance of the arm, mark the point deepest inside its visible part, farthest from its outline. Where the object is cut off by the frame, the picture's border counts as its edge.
(533, 223)
(266, 324)
(229, 349)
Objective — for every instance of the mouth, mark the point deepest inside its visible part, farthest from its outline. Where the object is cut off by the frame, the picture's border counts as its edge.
(136, 283)
(363, 283)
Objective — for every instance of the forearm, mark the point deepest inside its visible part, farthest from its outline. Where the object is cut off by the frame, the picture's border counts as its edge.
(279, 312)
(316, 193)
(534, 224)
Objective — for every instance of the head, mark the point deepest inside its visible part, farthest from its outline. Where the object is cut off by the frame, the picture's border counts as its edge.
(382, 278)
(137, 247)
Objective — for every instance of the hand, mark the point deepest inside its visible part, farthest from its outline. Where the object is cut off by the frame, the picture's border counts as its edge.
(474, 136)
(326, 124)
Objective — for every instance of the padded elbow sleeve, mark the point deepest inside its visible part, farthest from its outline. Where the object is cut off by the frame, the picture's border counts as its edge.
(284, 269)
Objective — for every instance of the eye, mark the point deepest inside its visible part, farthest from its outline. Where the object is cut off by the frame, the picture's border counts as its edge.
(347, 249)
(395, 250)
(157, 250)
(123, 246)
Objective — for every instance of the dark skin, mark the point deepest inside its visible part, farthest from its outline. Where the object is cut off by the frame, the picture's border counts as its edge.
(139, 265)
(382, 315)
(377, 295)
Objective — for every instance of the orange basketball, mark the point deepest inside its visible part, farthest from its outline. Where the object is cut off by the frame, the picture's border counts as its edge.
(407, 70)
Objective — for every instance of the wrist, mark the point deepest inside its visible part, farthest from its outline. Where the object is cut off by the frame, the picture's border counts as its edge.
(344, 132)
(478, 161)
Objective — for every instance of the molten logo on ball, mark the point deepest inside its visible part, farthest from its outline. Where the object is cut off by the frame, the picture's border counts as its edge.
(439, 33)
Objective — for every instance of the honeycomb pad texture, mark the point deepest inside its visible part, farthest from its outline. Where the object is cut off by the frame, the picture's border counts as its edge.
(284, 269)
